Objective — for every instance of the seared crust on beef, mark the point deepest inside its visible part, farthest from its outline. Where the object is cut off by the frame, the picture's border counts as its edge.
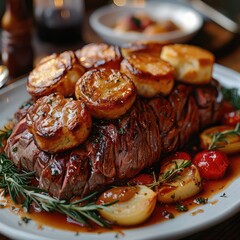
(117, 150)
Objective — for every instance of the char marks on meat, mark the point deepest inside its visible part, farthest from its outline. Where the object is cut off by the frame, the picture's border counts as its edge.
(117, 150)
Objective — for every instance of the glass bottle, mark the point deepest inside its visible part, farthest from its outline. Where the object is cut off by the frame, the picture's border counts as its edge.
(17, 51)
(59, 21)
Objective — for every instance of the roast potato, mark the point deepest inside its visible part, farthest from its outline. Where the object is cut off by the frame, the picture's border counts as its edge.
(55, 73)
(107, 93)
(185, 185)
(150, 74)
(135, 204)
(193, 65)
(58, 124)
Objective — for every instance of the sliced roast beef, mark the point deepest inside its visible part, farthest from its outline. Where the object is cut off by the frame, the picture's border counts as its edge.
(22, 111)
(117, 150)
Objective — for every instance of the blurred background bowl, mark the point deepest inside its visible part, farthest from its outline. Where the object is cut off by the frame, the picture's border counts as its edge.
(104, 19)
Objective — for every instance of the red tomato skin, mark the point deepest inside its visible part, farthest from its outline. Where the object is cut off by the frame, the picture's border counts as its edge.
(142, 179)
(179, 155)
(232, 118)
(212, 164)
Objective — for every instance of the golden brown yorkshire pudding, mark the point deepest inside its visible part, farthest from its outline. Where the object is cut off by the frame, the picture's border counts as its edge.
(95, 55)
(58, 123)
(55, 73)
(150, 74)
(193, 65)
(106, 92)
(148, 47)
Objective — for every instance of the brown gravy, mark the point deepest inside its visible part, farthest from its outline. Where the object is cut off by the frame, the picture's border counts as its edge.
(160, 214)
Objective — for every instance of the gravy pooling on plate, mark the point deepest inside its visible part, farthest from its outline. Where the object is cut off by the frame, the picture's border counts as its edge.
(133, 135)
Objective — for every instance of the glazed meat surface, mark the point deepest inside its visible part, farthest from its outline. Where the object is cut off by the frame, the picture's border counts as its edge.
(119, 149)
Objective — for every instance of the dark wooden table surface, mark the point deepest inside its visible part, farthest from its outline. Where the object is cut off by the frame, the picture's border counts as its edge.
(226, 47)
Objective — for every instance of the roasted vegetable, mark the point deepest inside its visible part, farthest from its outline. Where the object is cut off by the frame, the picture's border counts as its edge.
(211, 164)
(225, 138)
(180, 180)
(134, 206)
(232, 118)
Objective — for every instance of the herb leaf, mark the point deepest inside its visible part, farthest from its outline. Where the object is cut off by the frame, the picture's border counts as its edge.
(201, 200)
(170, 175)
(4, 135)
(232, 95)
(220, 137)
(181, 208)
(17, 186)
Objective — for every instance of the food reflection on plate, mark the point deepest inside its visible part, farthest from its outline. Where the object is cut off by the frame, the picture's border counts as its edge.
(155, 21)
(143, 23)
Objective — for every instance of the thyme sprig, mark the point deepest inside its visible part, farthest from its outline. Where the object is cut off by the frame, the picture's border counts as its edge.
(4, 135)
(220, 137)
(170, 175)
(17, 186)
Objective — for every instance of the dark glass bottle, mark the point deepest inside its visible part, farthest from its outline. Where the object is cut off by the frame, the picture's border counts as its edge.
(59, 21)
(17, 51)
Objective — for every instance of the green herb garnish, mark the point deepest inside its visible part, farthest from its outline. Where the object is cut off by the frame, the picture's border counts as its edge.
(218, 139)
(201, 200)
(27, 104)
(4, 135)
(181, 208)
(121, 131)
(223, 195)
(17, 186)
(170, 175)
(136, 21)
(231, 95)
(167, 214)
(26, 220)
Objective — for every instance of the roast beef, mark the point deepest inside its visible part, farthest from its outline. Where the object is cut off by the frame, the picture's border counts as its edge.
(117, 150)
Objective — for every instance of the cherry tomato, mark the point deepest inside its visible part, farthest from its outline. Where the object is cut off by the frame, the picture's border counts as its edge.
(226, 107)
(142, 179)
(178, 155)
(182, 155)
(211, 164)
(232, 118)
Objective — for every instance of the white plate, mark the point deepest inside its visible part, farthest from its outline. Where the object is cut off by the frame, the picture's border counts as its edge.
(11, 98)
(103, 19)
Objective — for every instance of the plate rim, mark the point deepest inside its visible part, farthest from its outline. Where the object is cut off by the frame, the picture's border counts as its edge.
(219, 71)
(132, 36)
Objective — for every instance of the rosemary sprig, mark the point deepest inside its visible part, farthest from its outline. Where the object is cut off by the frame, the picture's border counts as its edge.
(170, 175)
(4, 135)
(17, 186)
(220, 137)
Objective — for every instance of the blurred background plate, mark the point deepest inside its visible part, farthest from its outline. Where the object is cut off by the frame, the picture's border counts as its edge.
(104, 19)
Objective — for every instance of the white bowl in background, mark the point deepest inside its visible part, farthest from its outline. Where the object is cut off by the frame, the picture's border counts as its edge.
(103, 20)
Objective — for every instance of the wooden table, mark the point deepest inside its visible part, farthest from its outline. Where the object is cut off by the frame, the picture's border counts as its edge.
(226, 48)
